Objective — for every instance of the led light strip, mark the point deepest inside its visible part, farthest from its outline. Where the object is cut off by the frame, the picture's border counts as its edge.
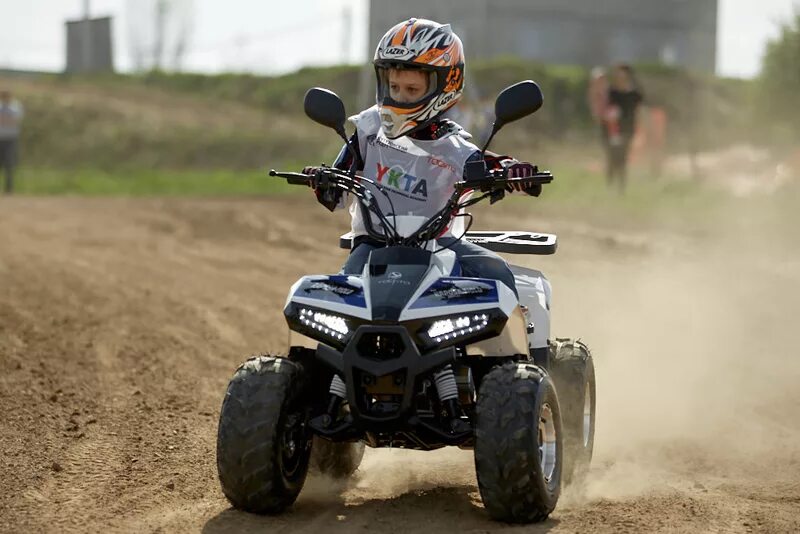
(451, 328)
(331, 325)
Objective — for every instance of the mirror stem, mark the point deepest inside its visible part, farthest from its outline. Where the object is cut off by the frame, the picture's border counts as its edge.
(350, 148)
(495, 128)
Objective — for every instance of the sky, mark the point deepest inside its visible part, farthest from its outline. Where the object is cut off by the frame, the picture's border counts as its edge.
(275, 36)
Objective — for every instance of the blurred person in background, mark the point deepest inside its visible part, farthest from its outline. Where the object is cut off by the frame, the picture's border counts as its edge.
(624, 99)
(655, 136)
(409, 143)
(597, 100)
(597, 96)
(10, 119)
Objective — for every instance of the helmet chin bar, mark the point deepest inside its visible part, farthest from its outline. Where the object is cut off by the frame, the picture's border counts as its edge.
(395, 125)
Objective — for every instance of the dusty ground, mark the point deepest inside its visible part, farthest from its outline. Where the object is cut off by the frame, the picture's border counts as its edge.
(122, 320)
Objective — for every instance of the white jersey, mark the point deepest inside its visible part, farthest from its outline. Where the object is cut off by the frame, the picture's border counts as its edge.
(417, 175)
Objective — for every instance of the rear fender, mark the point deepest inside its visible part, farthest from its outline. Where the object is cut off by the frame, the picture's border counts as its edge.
(535, 295)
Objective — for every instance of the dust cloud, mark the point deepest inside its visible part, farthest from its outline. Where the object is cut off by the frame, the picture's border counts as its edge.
(697, 367)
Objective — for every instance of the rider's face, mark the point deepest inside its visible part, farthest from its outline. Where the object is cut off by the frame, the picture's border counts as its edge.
(407, 86)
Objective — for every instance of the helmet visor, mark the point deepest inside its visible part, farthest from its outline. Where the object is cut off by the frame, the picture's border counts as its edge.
(405, 87)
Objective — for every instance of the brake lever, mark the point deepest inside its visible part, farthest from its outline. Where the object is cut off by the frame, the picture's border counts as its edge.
(497, 195)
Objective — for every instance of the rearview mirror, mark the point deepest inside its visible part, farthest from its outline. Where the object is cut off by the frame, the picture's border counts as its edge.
(517, 101)
(326, 108)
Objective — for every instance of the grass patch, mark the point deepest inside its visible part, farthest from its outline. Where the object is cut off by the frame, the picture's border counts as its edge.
(580, 193)
(575, 192)
(157, 182)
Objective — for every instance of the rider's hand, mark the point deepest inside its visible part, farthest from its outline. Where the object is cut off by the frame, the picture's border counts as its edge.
(312, 172)
(327, 196)
(523, 170)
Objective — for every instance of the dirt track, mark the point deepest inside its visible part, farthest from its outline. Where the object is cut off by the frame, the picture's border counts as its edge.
(122, 320)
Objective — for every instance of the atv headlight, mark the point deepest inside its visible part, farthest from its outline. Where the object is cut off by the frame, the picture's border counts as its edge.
(457, 326)
(329, 324)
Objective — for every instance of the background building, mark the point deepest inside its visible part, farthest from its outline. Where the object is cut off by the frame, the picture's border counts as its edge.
(583, 32)
(89, 45)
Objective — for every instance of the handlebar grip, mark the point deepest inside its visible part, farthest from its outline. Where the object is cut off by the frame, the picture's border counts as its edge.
(292, 178)
(497, 179)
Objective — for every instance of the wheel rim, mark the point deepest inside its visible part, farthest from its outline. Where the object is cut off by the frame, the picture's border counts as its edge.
(292, 445)
(587, 415)
(547, 442)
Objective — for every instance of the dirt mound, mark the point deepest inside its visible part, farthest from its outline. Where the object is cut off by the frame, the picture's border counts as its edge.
(121, 322)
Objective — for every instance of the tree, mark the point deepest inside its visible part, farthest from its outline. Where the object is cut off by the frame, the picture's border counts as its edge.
(159, 31)
(780, 79)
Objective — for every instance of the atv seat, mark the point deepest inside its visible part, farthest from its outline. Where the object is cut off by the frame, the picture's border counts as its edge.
(508, 242)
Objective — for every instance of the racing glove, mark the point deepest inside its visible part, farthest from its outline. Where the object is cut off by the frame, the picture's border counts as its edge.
(327, 196)
(523, 170)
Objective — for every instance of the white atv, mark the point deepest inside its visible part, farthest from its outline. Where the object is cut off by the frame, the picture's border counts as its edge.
(412, 355)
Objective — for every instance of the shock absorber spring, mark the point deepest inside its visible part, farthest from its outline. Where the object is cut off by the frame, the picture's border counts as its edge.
(337, 393)
(446, 384)
(338, 387)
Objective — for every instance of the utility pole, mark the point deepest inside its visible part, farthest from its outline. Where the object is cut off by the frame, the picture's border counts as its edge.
(347, 33)
(86, 45)
(161, 28)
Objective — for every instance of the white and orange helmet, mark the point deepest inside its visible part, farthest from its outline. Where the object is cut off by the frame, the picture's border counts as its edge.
(427, 46)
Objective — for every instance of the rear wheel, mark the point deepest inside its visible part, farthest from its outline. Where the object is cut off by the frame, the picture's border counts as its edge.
(573, 373)
(263, 441)
(337, 460)
(518, 443)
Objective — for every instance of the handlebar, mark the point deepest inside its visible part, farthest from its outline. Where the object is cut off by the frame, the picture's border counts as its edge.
(493, 185)
(498, 179)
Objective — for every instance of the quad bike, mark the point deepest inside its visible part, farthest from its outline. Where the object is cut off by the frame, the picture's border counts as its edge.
(410, 354)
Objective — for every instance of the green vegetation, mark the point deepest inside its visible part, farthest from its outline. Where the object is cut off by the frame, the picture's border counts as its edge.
(200, 122)
(583, 195)
(575, 193)
(95, 182)
(780, 82)
(188, 134)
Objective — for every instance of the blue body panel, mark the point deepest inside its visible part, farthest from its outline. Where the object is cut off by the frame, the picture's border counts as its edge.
(458, 291)
(339, 289)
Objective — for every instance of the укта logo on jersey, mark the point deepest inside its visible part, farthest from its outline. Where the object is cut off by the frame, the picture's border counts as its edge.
(397, 178)
(394, 275)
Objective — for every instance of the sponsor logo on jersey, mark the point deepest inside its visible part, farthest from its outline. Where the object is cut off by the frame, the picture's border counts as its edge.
(442, 164)
(373, 140)
(397, 178)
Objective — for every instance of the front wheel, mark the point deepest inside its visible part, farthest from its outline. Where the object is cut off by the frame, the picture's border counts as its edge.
(263, 441)
(518, 444)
